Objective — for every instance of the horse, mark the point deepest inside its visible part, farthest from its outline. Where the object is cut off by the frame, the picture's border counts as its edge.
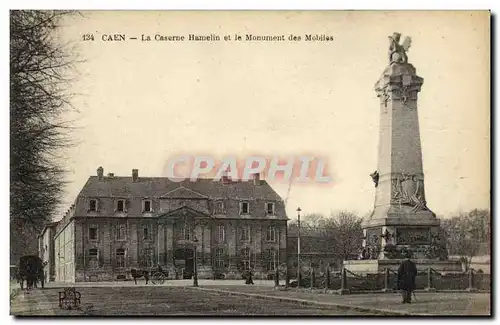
(139, 274)
(31, 270)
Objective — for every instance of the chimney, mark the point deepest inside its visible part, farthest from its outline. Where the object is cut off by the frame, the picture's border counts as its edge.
(256, 179)
(225, 179)
(100, 172)
(135, 175)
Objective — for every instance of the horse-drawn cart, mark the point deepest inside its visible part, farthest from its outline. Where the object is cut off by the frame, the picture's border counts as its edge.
(31, 270)
(157, 275)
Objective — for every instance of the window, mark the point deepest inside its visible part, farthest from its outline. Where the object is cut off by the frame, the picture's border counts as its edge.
(219, 207)
(120, 205)
(93, 233)
(271, 261)
(219, 258)
(271, 234)
(148, 257)
(244, 208)
(93, 258)
(147, 206)
(245, 233)
(120, 257)
(270, 208)
(221, 233)
(246, 253)
(146, 233)
(186, 232)
(121, 232)
(93, 205)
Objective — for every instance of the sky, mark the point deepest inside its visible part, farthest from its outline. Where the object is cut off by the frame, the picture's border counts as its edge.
(138, 104)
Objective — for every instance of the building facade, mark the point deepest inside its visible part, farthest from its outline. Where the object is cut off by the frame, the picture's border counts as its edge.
(47, 251)
(121, 223)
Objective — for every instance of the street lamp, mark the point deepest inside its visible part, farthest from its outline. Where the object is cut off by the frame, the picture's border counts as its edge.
(298, 247)
(195, 276)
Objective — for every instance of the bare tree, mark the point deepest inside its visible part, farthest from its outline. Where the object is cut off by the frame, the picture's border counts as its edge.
(348, 233)
(313, 220)
(340, 234)
(38, 97)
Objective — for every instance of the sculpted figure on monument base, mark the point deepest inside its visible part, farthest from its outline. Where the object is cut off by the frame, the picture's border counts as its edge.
(409, 190)
(375, 177)
(397, 52)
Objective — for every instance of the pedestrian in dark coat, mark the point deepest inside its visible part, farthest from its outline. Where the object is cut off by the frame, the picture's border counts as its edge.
(249, 279)
(407, 273)
(277, 278)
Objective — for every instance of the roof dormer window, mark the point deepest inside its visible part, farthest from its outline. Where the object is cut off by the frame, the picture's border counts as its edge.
(93, 205)
(270, 208)
(147, 206)
(244, 207)
(120, 205)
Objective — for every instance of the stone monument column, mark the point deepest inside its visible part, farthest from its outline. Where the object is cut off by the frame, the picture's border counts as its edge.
(401, 219)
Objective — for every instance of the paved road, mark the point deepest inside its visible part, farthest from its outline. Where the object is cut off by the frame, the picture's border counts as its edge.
(158, 300)
(435, 303)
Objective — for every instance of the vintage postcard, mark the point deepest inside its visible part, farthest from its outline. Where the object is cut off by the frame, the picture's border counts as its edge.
(244, 163)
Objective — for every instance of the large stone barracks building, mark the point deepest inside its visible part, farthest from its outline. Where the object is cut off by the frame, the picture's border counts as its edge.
(121, 223)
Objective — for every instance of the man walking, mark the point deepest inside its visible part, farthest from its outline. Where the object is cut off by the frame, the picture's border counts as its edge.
(407, 273)
(249, 279)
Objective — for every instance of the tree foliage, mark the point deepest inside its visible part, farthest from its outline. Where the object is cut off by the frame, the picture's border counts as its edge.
(468, 234)
(38, 97)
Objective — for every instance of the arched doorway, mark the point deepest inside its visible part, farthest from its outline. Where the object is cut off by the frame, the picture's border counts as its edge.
(184, 259)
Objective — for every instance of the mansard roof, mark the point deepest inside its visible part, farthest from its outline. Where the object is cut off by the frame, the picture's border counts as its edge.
(162, 187)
